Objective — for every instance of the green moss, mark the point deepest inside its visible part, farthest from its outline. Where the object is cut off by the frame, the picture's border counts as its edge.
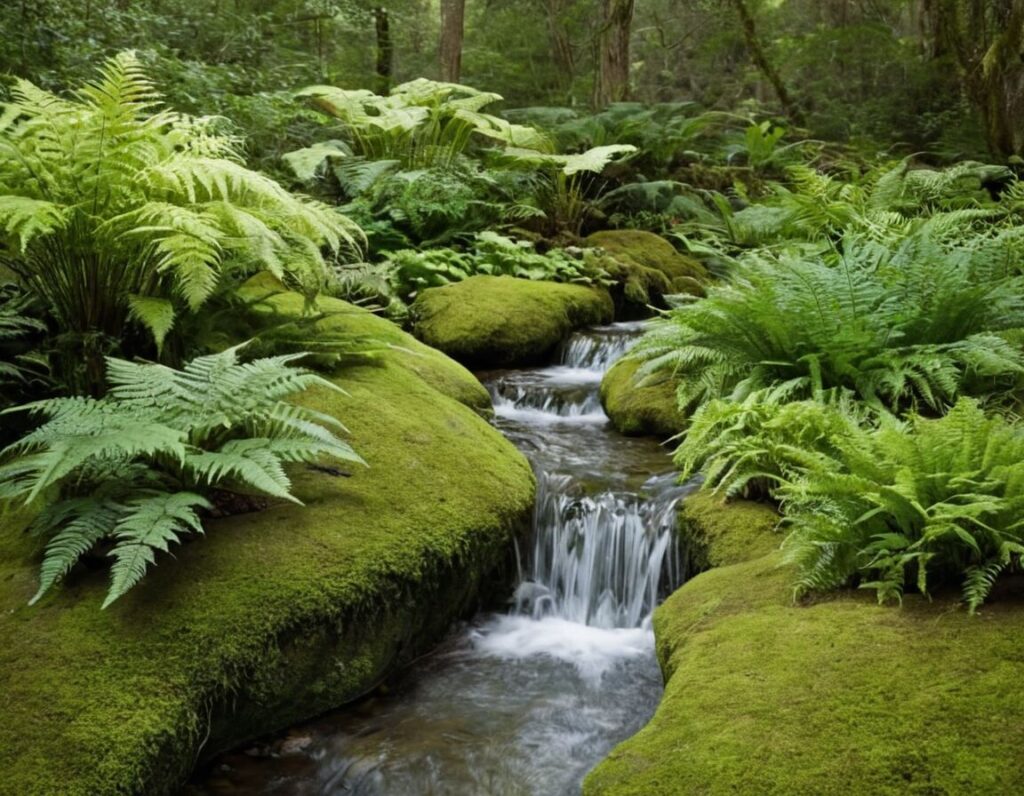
(272, 616)
(498, 321)
(647, 410)
(721, 534)
(374, 333)
(646, 267)
(836, 697)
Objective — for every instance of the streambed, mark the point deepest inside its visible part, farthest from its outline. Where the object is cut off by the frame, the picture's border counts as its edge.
(525, 701)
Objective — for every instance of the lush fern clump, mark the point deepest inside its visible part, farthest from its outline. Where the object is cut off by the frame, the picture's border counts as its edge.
(748, 447)
(872, 500)
(133, 471)
(914, 503)
(116, 212)
(911, 326)
(437, 207)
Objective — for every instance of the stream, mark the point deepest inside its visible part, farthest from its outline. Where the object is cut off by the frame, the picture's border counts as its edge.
(525, 702)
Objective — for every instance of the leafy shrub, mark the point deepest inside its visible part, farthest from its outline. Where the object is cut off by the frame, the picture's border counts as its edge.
(492, 255)
(136, 468)
(910, 503)
(662, 132)
(420, 124)
(913, 326)
(145, 212)
(432, 207)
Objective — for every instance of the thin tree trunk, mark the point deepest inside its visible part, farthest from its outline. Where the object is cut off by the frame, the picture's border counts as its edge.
(385, 49)
(453, 13)
(561, 46)
(613, 52)
(760, 58)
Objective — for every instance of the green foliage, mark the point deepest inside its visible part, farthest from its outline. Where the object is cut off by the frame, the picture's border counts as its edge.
(745, 448)
(431, 207)
(662, 133)
(760, 147)
(872, 500)
(420, 124)
(917, 325)
(115, 211)
(18, 325)
(492, 255)
(136, 468)
(910, 503)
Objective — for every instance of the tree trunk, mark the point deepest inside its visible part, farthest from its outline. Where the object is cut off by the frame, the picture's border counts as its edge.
(385, 49)
(760, 58)
(613, 52)
(987, 40)
(561, 46)
(453, 14)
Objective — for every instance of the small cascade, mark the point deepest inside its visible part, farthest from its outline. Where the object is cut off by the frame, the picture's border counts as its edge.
(600, 560)
(597, 349)
(599, 557)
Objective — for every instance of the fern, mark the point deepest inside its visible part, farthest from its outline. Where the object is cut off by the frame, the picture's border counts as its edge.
(420, 124)
(909, 504)
(145, 211)
(137, 467)
(917, 325)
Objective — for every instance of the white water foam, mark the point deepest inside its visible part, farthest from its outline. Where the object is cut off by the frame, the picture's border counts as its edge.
(593, 651)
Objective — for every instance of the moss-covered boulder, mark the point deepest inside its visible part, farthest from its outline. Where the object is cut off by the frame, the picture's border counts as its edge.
(646, 267)
(500, 321)
(836, 697)
(273, 616)
(648, 410)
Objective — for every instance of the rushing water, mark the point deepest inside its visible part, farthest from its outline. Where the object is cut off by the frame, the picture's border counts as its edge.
(527, 701)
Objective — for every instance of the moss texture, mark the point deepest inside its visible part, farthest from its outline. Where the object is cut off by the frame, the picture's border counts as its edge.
(646, 267)
(500, 321)
(836, 697)
(273, 616)
(649, 410)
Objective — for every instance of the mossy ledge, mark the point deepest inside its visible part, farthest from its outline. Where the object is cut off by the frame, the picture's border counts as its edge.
(647, 410)
(274, 616)
(501, 321)
(646, 267)
(836, 696)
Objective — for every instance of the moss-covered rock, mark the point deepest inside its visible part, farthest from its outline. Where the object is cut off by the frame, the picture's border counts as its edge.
(836, 697)
(650, 409)
(274, 616)
(499, 321)
(646, 267)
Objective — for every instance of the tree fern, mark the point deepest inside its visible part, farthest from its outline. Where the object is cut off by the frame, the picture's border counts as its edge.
(137, 467)
(145, 211)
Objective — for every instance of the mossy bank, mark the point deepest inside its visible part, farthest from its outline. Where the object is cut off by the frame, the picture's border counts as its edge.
(637, 408)
(501, 321)
(837, 696)
(273, 616)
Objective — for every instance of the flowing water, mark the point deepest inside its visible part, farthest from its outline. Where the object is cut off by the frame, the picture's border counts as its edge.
(523, 702)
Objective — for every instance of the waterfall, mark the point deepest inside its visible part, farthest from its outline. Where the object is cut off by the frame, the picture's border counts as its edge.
(598, 558)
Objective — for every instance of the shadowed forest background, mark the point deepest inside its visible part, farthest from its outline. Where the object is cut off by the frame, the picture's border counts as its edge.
(938, 75)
